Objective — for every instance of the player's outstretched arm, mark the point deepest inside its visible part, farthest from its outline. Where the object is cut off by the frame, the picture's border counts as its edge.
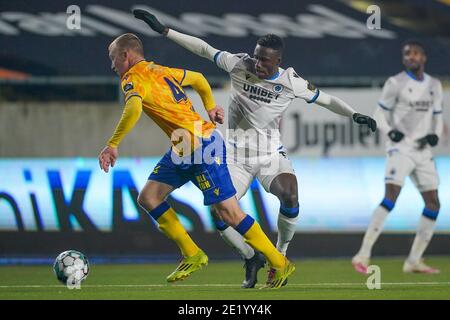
(381, 115)
(151, 20)
(338, 106)
(199, 83)
(130, 115)
(193, 44)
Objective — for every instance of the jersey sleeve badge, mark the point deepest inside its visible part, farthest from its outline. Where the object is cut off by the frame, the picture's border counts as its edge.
(128, 86)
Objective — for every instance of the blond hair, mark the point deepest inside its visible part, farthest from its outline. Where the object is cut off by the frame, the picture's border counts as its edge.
(129, 41)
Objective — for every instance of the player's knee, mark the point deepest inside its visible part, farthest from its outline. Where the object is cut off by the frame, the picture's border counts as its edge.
(229, 211)
(388, 204)
(433, 205)
(289, 199)
(148, 201)
(229, 217)
(143, 201)
(392, 192)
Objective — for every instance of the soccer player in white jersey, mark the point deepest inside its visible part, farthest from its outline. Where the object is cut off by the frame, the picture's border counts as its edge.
(261, 92)
(410, 115)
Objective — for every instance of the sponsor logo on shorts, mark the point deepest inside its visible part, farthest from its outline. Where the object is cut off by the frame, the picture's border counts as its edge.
(155, 171)
(204, 181)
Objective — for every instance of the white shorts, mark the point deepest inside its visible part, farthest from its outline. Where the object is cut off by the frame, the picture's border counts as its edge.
(420, 166)
(265, 168)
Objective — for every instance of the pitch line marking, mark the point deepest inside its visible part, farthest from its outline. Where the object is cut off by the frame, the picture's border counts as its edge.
(331, 284)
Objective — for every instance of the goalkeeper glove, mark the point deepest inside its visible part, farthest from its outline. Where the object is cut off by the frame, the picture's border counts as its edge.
(431, 139)
(395, 135)
(151, 20)
(362, 119)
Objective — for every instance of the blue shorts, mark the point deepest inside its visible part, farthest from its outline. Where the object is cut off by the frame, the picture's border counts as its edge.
(206, 167)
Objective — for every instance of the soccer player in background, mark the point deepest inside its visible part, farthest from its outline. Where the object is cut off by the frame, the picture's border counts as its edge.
(260, 93)
(410, 115)
(197, 153)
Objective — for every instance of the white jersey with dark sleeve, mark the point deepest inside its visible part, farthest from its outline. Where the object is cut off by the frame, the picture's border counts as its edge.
(410, 105)
(257, 105)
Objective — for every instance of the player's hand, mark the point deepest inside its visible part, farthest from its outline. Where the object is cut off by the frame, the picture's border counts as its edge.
(362, 119)
(107, 158)
(431, 139)
(395, 135)
(217, 115)
(151, 20)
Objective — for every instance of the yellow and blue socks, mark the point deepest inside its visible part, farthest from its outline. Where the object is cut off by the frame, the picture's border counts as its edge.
(287, 226)
(375, 227)
(424, 234)
(253, 235)
(171, 226)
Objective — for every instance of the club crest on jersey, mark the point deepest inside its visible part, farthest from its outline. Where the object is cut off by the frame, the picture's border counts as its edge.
(128, 86)
(278, 88)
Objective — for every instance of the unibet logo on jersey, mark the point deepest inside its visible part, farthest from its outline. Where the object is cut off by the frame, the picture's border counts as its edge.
(260, 94)
(257, 105)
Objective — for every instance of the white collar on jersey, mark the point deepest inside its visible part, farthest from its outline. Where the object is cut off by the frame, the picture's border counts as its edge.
(275, 76)
(412, 76)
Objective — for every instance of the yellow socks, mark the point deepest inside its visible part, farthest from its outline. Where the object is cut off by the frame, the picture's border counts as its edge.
(255, 237)
(248, 228)
(171, 226)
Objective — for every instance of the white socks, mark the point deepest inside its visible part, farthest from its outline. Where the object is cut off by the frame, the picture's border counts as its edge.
(286, 230)
(423, 236)
(235, 240)
(373, 231)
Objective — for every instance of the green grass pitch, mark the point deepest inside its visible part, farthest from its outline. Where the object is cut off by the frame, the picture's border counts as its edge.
(313, 279)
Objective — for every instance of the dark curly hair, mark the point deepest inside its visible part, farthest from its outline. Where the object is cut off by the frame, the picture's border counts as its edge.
(271, 41)
(414, 42)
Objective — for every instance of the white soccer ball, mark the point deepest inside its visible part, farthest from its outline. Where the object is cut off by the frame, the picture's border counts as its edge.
(71, 267)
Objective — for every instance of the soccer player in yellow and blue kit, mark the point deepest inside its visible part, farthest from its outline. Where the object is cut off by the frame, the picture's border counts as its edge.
(197, 154)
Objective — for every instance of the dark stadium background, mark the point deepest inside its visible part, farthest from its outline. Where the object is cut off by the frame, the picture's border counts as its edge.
(60, 100)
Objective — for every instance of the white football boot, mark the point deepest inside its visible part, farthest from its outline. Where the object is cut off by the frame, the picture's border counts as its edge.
(419, 267)
(360, 263)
